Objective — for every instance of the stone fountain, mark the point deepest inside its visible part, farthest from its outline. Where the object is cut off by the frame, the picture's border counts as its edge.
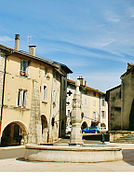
(76, 150)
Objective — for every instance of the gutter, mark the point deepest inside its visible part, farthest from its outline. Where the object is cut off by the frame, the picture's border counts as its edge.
(50, 116)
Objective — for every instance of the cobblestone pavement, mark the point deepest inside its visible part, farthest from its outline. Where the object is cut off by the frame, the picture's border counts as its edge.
(19, 165)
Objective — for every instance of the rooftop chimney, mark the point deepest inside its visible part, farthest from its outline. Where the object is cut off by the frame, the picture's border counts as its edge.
(17, 39)
(80, 78)
(32, 50)
(85, 83)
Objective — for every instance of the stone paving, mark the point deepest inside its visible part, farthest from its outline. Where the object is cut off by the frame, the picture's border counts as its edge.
(19, 165)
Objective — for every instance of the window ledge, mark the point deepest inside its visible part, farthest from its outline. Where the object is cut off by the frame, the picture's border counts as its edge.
(45, 102)
(21, 108)
(23, 74)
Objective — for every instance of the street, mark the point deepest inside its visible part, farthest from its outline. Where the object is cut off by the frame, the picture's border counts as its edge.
(12, 152)
(11, 160)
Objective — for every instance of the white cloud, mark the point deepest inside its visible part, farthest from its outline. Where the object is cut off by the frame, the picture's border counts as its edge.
(112, 17)
(5, 39)
(131, 12)
(103, 43)
(99, 80)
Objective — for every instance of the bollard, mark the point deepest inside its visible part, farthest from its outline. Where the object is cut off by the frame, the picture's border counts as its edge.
(103, 138)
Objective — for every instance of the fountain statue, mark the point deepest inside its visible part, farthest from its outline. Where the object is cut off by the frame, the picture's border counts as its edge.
(76, 136)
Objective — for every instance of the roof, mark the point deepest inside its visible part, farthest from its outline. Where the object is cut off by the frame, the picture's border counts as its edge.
(54, 64)
(86, 87)
(108, 92)
(63, 67)
(130, 67)
(114, 88)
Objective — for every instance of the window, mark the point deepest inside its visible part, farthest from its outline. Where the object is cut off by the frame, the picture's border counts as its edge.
(23, 68)
(45, 71)
(103, 114)
(85, 101)
(44, 95)
(22, 98)
(103, 102)
(52, 123)
(68, 113)
(94, 115)
(94, 93)
(94, 103)
(64, 84)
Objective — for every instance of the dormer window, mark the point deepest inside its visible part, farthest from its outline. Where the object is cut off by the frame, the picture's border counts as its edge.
(24, 68)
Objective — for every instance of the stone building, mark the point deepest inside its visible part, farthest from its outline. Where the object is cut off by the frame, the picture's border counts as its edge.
(93, 105)
(121, 107)
(32, 97)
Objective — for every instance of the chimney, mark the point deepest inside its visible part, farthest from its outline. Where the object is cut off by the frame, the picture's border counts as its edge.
(80, 78)
(85, 83)
(32, 50)
(17, 39)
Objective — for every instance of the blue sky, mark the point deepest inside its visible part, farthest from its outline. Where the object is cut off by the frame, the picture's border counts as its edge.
(94, 38)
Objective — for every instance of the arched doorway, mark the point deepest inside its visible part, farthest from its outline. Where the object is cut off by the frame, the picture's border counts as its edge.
(44, 125)
(14, 134)
(84, 125)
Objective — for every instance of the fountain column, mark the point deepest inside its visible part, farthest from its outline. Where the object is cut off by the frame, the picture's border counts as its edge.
(76, 135)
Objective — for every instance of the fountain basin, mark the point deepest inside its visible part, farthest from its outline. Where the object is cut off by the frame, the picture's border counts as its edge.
(78, 154)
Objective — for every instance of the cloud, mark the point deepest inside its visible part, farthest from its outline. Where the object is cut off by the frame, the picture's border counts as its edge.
(112, 17)
(5, 39)
(99, 80)
(80, 51)
(104, 43)
(131, 12)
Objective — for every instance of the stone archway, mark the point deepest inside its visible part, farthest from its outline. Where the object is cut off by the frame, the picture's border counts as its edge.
(15, 133)
(84, 125)
(44, 125)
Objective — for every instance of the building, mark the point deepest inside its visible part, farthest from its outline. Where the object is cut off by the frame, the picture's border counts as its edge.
(32, 97)
(94, 109)
(121, 106)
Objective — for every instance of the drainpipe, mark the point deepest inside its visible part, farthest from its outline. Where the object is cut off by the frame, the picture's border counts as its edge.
(51, 106)
(2, 104)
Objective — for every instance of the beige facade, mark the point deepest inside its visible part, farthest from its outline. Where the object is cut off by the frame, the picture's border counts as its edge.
(31, 109)
(93, 105)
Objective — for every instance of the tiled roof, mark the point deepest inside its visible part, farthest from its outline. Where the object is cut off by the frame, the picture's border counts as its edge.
(49, 62)
(86, 87)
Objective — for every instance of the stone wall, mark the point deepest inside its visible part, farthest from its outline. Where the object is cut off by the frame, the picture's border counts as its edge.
(114, 135)
(34, 136)
(128, 100)
(114, 108)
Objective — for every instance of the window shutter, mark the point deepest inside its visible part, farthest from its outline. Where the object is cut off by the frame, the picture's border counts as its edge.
(24, 99)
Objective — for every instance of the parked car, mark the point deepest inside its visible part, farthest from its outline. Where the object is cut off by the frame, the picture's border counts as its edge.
(92, 129)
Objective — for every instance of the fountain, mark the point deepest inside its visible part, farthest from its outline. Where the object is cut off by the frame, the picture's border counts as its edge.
(76, 150)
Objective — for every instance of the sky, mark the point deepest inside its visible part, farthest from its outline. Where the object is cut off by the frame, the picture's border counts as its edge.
(94, 38)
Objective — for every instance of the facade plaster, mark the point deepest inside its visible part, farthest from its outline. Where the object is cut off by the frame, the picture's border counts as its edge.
(32, 99)
(91, 105)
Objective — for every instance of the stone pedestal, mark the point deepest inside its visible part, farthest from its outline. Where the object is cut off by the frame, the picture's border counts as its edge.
(76, 136)
(77, 154)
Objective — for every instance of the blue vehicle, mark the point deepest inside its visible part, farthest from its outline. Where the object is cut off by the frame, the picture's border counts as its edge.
(92, 129)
